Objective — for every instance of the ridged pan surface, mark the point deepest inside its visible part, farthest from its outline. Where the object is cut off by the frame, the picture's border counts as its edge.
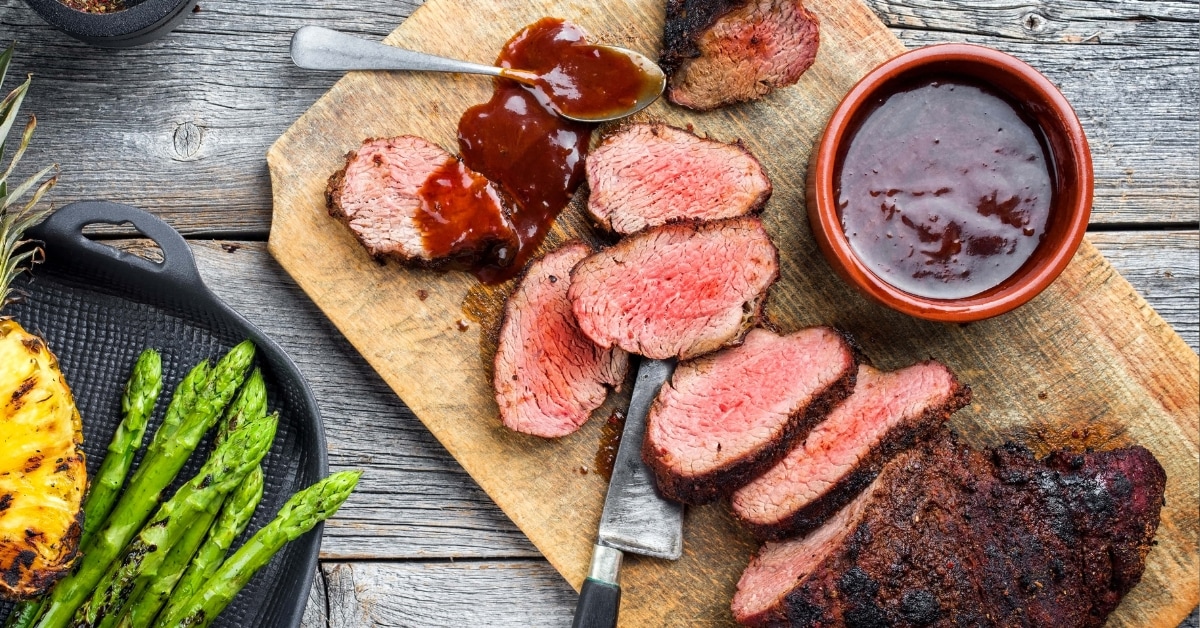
(98, 308)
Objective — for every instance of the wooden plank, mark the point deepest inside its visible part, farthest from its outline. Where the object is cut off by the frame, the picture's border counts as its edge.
(526, 594)
(1088, 356)
(1164, 268)
(180, 126)
(381, 594)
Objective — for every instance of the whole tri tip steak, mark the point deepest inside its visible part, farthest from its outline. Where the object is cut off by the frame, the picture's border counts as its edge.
(647, 175)
(548, 376)
(406, 199)
(887, 414)
(950, 536)
(725, 418)
(679, 290)
(718, 52)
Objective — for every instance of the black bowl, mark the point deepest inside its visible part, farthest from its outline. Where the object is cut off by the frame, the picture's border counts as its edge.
(139, 23)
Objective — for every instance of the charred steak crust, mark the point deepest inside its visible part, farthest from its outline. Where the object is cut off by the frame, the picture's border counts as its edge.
(899, 439)
(702, 489)
(583, 379)
(952, 536)
(649, 174)
(686, 21)
(719, 52)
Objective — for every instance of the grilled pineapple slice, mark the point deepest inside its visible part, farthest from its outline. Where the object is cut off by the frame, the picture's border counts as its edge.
(42, 470)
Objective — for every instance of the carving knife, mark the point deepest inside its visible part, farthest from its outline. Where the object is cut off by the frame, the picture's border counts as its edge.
(636, 518)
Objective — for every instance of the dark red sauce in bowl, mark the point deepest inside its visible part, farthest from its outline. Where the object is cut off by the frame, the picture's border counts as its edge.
(945, 188)
(930, 254)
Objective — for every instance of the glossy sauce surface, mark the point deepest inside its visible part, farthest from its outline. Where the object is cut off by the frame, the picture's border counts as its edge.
(517, 140)
(460, 209)
(945, 189)
(590, 82)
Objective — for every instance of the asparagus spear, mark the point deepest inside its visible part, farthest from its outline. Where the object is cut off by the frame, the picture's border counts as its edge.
(221, 473)
(251, 401)
(299, 515)
(235, 517)
(141, 393)
(164, 458)
(150, 594)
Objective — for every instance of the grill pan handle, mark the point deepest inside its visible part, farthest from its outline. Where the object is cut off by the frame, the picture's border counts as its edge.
(63, 230)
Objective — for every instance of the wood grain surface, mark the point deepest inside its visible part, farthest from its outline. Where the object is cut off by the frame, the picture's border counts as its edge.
(1088, 363)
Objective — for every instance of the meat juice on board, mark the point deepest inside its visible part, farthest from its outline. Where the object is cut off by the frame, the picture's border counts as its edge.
(945, 189)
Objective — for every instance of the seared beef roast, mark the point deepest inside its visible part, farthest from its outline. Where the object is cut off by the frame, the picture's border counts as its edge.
(679, 290)
(548, 376)
(650, 174)
(717, 52)
(725, 418)
(950, 536)
(887, 414)
(406, 199)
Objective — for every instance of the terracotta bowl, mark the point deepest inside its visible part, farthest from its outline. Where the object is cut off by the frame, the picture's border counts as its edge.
(1069, 158)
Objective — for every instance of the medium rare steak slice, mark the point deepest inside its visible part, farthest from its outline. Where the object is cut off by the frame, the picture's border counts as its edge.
(548, 376)
(404, 198)
(679, 290)
(650, 174)
(725, 418)
(886, 414)
(950, 536)
(717, 52)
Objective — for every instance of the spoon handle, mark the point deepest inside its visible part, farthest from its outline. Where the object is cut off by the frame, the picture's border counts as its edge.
(318, 48)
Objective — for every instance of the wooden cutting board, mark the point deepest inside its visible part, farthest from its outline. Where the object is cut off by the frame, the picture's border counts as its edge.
(1087, 363)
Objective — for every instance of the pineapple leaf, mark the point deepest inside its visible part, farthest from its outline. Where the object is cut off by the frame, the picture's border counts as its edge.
(24, 187)
(11, 105)
(5, 58)
(14, 218)
(25, 137)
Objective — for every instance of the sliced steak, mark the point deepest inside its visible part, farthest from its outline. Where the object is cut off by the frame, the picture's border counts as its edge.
(717, 52)
(887, 414)
(725, 418)
(650, 174)
(406, 199)
(548, 376)
(679, 290)
(949, 536)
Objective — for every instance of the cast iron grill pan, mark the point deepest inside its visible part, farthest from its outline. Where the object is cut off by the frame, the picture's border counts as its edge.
(99, 307)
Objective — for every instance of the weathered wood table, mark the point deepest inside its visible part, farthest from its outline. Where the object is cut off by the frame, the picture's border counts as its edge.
(180, 127)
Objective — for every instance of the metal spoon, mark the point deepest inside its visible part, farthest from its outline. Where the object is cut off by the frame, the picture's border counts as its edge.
(318, 48)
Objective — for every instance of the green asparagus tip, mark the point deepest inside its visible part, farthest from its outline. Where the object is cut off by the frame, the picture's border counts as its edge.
(251, 401)
(245, 448)
(317, 502)
(144, 384)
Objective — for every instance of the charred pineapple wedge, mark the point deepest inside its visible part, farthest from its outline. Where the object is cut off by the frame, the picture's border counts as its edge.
(42, 472)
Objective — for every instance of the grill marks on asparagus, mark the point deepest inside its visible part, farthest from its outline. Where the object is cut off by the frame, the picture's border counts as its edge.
(196, 406)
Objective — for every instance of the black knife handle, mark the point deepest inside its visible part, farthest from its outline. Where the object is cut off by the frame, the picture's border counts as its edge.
(598, 605)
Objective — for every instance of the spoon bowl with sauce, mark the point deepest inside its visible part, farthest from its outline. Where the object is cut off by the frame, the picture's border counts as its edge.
(591, 83)
(953, 183)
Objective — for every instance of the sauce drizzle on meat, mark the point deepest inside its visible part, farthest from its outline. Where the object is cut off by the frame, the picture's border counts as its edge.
(517, 140)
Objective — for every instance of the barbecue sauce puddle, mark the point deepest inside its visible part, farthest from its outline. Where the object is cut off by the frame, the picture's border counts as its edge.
(518, 141)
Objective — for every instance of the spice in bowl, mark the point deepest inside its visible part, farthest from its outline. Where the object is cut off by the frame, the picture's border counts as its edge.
(95, 6)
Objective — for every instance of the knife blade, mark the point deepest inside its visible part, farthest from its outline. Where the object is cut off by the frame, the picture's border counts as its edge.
(636, 518)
